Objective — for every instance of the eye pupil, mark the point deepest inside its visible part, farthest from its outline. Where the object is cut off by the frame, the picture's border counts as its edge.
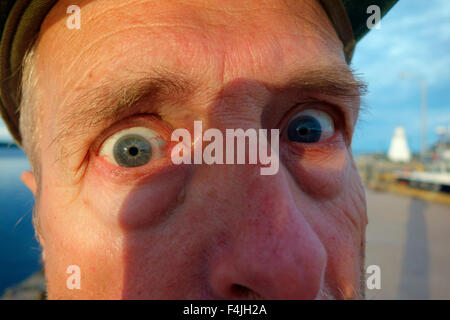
(132, 151)
(305, 129)
(302, 131)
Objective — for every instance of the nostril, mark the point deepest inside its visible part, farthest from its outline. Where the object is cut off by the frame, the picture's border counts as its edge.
(241, 292)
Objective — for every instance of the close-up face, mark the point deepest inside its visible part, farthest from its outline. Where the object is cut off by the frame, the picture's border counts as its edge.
(140, 226)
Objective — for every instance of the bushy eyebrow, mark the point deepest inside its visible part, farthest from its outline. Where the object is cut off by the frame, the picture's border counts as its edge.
(112, 97)
(338, 80)
(104, 103)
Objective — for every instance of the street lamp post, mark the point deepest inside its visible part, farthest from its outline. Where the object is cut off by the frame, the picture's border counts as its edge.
(423, 87)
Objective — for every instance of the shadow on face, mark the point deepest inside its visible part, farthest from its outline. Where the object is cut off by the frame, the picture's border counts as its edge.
(225, 231)
(200, 231)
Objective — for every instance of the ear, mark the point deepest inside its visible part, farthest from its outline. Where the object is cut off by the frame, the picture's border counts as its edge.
(41, 241)
(27, 178)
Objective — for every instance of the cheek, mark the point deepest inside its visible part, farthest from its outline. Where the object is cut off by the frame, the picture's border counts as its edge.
(320, 172)
(137, 206)
(72, 237)
(344, 264)
(340, 227)
(343, 233)
(338, 215)
(90, 232)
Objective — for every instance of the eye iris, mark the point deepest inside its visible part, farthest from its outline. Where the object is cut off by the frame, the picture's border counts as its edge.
(132, 151)
(304, 129)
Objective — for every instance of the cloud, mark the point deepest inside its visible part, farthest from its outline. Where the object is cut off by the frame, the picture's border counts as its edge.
(414, 37)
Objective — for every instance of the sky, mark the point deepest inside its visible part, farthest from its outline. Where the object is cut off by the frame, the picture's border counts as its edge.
(414, 37)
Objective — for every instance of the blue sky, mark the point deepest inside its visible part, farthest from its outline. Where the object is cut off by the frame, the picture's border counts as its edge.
(414, 37)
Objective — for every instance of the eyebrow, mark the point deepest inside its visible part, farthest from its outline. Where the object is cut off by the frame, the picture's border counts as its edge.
(338, 80)
(105, 102)
(113, 97)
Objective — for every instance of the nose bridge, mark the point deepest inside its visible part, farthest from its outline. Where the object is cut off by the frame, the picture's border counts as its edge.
(273, 251)
(270, 250)
(239, 104)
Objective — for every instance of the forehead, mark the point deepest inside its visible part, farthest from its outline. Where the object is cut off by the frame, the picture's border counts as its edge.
(223, 39)
(212, 42)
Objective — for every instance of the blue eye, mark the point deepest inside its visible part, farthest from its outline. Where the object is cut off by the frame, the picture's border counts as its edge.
(133, 147)
(132, 151)
(309, 126)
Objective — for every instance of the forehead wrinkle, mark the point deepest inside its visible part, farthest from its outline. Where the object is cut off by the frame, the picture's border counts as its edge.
(85, 48)
(144, 24)
(80, 53)
(328, 31)
(114, 8)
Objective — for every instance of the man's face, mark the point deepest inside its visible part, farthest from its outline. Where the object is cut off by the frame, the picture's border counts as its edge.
(199, 231)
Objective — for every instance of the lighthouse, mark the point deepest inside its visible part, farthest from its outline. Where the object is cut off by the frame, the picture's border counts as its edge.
(399, 150)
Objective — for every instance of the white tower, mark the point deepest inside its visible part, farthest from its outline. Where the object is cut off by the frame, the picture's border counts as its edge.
(399, 150)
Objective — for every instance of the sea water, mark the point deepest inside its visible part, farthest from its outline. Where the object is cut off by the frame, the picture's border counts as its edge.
(19, 250)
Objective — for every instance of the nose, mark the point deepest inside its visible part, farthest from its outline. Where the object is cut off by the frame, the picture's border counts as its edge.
(272, 251)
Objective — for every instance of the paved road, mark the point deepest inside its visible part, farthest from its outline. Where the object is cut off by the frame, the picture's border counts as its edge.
(409, 239)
